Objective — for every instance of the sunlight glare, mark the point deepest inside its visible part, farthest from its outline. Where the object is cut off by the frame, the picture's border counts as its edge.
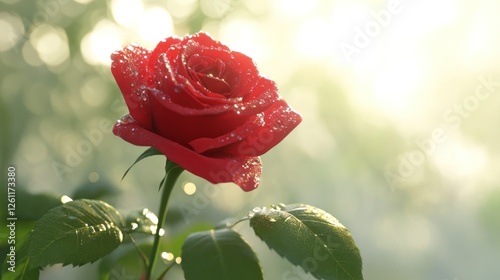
(458, 159)
(127, 12)
(294, 8)
(395, 86)
(243, 36)
(155, 25)
(98, 44)
(311, 41)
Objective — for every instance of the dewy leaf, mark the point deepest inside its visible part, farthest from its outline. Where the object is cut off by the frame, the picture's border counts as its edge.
(77, 233)
(311, 238)
(219, 255)
(149, 152)
(143, 221)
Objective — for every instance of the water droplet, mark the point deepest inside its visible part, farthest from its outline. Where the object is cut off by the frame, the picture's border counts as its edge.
(72, 217)
(281, 205)
(65, 199)
(134, 225)
(256, 209)
(272, 220)
(127, 119)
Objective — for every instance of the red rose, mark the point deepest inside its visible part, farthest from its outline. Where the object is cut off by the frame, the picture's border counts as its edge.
(202, 105)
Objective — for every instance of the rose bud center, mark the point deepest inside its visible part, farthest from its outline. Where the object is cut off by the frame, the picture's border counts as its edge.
(209, 73)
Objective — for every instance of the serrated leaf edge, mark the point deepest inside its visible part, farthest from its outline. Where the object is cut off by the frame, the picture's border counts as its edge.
(270, 209)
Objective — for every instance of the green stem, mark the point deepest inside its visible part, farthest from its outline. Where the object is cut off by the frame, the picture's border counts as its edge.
(172, 173)
(141, 253)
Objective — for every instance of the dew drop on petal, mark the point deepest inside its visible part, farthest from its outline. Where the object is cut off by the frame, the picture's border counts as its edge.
(126, 119)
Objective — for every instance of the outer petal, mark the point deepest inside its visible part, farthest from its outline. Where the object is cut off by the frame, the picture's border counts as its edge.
(166, 45)
(244, 171)
(257, 136)
(129, 67)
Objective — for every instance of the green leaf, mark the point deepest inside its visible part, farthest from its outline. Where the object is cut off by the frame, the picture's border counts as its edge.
(143, 221)
(77, 233)
(311, 238)
(149, 152)
(173, 242)
(219, 255)
(22, 269)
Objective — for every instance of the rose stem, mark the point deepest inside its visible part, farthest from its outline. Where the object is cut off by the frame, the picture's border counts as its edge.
(172, 173)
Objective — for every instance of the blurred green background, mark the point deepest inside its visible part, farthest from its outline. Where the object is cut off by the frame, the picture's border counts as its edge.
(400, 101)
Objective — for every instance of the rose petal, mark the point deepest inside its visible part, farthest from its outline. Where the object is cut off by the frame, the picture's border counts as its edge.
(243, 171)
(257, 136)
(173, 86)
(168, 45)
(183, 125)
(236, 65)
(202, 145)
(129, 67)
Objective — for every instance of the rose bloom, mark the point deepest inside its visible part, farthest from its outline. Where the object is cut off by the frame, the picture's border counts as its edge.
(204, 106)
